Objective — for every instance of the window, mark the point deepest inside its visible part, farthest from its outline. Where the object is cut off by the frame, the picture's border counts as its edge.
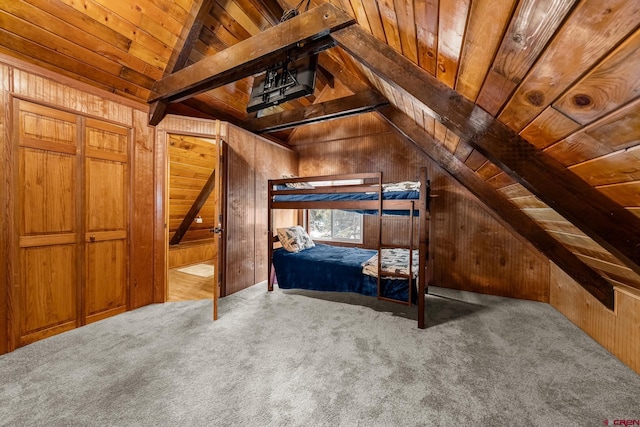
(333, 224)
(336, 225)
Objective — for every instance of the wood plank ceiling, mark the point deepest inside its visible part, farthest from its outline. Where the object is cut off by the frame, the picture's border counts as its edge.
(561, 74)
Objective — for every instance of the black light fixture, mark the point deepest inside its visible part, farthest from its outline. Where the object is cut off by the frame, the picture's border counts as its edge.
(285, 80)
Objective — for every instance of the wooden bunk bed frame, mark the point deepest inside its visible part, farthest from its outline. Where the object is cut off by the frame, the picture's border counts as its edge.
(372, 182)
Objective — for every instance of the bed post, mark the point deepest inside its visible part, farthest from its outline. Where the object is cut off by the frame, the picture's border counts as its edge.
(380, 212)
(423, 249)
(269, 237)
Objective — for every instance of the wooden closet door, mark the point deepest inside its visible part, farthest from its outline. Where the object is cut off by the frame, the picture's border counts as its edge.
(106, 225)
(46, 280)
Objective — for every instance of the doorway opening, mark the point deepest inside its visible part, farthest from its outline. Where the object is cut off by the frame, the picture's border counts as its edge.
(194, 184)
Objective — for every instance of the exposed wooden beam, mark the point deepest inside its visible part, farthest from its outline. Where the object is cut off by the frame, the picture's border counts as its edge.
(157, 111)
(307, 33)
(198, 203)
(205, 108)
(346, 77)
(180, 54)
(181, 109)
(189, 37)
(326, 77)
(244, 70)
(359, 103)
(521, 223)
(605, 221)
(270, 10)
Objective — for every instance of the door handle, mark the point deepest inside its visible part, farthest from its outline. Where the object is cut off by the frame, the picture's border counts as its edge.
(216, 230)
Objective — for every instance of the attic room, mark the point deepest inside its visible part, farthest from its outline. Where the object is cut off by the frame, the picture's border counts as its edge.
(142, 137)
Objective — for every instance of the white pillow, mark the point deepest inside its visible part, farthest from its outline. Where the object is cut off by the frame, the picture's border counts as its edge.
(294, 239)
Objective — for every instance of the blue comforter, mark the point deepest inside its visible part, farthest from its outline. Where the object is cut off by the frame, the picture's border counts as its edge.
(333, 268)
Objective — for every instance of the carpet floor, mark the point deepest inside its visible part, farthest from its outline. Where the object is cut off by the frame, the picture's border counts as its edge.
(296, 358)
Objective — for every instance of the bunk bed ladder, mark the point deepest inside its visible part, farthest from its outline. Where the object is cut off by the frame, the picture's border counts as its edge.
(424, 272)
(424, 246)
(270, 238)
(409, 247)
(409, 275)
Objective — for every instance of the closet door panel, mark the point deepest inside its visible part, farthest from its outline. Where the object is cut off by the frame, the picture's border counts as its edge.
(48, 291)
(106, 201)
(44, 127)
(106, 223)
(107, 140)
(106, 290)
(48, 194)
(46, 283)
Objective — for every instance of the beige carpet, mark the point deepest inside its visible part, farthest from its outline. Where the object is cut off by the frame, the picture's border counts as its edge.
(294, 358)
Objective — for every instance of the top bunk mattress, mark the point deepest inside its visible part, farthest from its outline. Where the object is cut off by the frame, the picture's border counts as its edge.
(333, 197)
(354, 197)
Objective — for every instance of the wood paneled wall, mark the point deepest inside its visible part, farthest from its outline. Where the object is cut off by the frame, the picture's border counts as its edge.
(192, 253)
(251, 161)
(618, 331)
(271, 163)
(473, 251)
(143, 204)
(40, 87)
(5, 118)
(472, 246)
(241, 211)
(369, 153)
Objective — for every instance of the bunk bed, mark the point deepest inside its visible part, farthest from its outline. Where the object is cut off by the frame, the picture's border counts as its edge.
(303, 264)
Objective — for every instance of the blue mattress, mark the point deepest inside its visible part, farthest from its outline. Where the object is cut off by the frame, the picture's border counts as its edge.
(335, 269)
(330, 197)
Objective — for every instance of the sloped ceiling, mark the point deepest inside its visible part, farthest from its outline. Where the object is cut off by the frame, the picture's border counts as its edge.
(560, 75)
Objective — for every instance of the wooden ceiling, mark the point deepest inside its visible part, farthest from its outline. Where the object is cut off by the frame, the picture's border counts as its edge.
(560, 76)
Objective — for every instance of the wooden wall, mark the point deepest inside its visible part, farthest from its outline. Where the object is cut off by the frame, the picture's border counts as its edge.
(97, 112)
(251, 161)
(358, 145)
(192, 253)
(618, 331)
(473, 251)
(142, 234)
(471, 245)
(5, 119)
